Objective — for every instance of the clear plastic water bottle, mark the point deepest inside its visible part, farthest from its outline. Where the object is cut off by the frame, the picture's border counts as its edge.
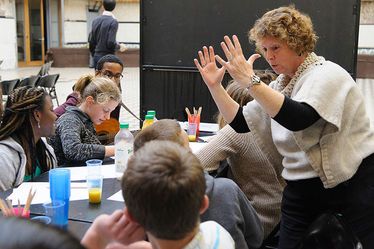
(124, 145)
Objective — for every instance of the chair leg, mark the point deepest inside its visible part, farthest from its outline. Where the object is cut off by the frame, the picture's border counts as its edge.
(56, 98)
(53, 95)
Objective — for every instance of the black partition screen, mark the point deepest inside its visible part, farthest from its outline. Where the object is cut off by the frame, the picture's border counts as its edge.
(173, 31)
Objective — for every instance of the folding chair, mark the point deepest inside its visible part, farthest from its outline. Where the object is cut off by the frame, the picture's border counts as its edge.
(48, 82)
(8, 86)
(29, 81)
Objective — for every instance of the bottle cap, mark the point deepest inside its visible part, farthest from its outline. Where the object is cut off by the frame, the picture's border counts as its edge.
(151, 112)
(149, 116)
(123, 125)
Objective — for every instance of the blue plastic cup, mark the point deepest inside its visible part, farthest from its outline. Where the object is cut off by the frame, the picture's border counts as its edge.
(55, 210)
(42, 219)
(59, 183)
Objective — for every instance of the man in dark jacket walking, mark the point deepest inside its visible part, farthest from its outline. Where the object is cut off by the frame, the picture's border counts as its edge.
(103, 35)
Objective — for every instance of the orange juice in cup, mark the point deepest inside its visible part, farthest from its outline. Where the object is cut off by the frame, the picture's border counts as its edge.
(94, 195)
(94, 186)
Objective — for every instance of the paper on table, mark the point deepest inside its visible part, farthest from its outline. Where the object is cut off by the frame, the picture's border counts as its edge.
(78, 191)
(117, 197)
(207, 127)
(207, 138)
(80, 173)
(195, 147)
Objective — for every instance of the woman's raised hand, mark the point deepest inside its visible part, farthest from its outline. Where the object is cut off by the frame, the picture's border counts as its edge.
(238, 67)
(212, 75)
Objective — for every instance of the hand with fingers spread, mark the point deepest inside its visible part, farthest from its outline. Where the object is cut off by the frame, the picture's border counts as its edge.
(238, 67)
(212, 75)
(115, 227)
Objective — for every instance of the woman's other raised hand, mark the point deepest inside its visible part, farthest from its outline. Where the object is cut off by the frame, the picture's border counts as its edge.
(212, 75)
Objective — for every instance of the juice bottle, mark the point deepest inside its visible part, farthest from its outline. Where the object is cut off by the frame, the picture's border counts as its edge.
(152, 112)
(148, 121)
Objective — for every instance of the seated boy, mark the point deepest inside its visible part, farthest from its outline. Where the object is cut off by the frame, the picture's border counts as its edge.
(228, 204)
(164, 190)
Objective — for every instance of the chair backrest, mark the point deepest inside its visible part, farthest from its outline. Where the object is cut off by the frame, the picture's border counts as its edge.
(29, 81)
(8, 86)
(48, 81)
(329, 231)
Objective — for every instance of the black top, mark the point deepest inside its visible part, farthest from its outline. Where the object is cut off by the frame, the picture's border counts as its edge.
(293, 115)
(103, 36)
(76, 140)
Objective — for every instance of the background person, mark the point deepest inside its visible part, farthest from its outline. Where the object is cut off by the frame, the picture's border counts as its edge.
(28, 116)
(103, 34)
(109, 66)
(249, 167)
(75, 140)
(313, 117)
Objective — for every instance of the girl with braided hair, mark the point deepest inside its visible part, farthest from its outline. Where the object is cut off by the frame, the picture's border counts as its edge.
(28, 116)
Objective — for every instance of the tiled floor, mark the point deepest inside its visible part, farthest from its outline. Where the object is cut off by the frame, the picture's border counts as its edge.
(68, 76)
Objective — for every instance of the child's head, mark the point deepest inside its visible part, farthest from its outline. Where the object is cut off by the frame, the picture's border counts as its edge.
(164, 129)
(82, 83)
(22, 233)
(164, 189)
(110, 66)
(100, 97)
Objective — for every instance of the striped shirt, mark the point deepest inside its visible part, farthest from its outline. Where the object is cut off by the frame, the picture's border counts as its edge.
(211, 236)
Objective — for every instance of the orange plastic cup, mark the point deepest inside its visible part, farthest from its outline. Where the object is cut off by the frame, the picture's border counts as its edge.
(195, 119)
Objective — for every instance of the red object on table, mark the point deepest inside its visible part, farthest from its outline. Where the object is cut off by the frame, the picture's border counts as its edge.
(195, 119)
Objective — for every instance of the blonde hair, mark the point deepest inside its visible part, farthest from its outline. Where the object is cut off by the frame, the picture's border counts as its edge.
(102, 90)
(287, 24)
(82, 83)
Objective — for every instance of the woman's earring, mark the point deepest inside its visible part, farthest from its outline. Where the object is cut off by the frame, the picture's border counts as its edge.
(38, 125)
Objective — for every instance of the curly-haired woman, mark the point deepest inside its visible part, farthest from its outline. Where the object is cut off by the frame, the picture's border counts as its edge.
(312, 118)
